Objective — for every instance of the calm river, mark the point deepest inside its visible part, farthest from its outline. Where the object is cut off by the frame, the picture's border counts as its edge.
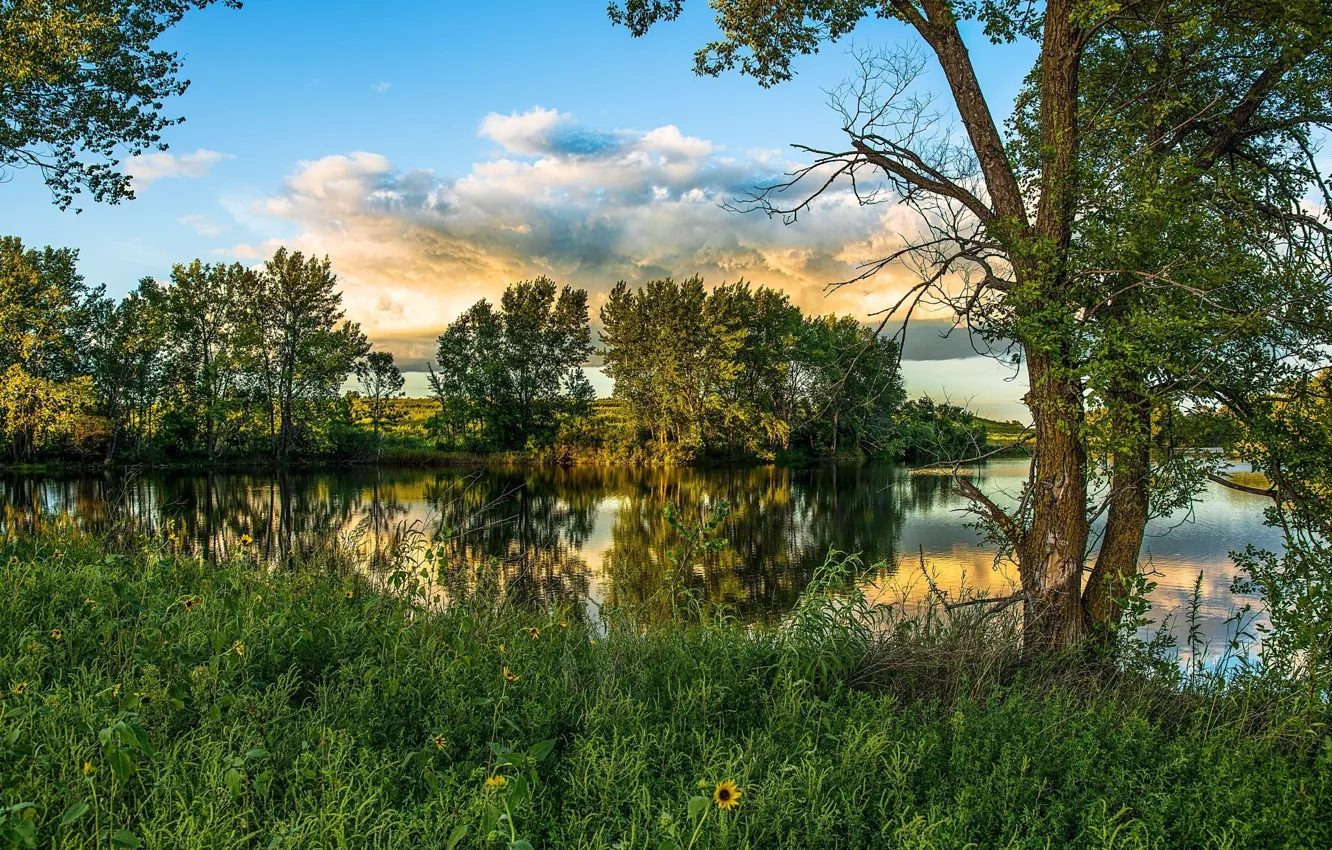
(600, 534)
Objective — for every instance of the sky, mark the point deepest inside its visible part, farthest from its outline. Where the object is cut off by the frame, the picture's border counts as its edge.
(437, 151)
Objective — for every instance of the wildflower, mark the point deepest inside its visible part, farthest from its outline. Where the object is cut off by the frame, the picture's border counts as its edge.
(510, 675)
(90, 603)
(88, 768)
(246, 540)
(191, 603)
(496, 782)
(727, 795)
(501, 649)
(56, 634)
(439, 741)
(350, 594)
(563, 625)
(115, 690)
(239, 649)
(534, 632)
(592, 641)
(20, 688)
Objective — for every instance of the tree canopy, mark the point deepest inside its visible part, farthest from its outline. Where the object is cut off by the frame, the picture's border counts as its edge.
(82, 86)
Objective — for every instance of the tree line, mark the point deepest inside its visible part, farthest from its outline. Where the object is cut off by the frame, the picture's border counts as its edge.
(735, 371)
(217, 362)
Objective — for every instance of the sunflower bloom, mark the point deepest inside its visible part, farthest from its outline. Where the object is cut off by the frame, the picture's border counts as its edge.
(563, 625)
(246, 540)
(20, 688)
(496, 782)
(88, 768)
(534, 632)
(239, 649)
(56, 634)
(510, 675)
(350, 594)
(727, 795)
(439, 741)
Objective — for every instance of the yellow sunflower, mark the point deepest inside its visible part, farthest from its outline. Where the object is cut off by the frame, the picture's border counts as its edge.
(510, 675)
(727, 795)
(88, 768)
(56, 634)
(239, 649)
(439, 741)
(534, 632)
(350, 594)
(20, 688)
(496, 782)
(246, 540)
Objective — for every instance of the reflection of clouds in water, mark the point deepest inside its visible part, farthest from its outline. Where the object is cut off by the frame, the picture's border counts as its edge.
(599, 532)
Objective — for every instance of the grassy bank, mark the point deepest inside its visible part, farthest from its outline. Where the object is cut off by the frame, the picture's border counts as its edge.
(155, 701)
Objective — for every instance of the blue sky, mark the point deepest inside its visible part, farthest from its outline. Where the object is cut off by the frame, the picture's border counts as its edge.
(438, 150)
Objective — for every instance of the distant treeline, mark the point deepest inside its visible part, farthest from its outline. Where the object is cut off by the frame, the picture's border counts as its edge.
(223, 363)
(735, 372)
(219, 362)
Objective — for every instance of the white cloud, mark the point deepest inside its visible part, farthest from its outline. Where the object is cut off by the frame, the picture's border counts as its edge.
(201, 224)
(147, 168)
(382, 87)
(584, 206)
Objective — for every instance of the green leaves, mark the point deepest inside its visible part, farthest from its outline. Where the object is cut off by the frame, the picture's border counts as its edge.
(75, 812)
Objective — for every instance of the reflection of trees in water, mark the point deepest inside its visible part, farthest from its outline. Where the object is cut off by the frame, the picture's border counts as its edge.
(531, 524)
(781, 524)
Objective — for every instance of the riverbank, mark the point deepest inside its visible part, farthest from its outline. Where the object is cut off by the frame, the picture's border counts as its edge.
(153, 700)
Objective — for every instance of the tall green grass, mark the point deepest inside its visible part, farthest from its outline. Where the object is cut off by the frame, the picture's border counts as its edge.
(153, 700)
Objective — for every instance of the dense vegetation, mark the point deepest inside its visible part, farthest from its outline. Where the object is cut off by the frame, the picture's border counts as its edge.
(152, 699)
(221, 361)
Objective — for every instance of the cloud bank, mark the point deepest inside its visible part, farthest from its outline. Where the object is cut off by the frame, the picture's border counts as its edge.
(585, 206)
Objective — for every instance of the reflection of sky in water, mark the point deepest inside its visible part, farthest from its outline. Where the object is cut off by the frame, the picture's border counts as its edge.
(599, 531)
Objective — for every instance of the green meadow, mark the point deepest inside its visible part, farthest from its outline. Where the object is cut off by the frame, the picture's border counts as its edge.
(155, 700)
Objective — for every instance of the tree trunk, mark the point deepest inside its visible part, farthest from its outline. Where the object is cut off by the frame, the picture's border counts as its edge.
(1126, 518)
(1051, 552)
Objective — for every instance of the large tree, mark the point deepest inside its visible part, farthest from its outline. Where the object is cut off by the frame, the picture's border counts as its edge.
(82, 86)
(1046, 235)
(44, 322)
(300, 346)
(506, 376)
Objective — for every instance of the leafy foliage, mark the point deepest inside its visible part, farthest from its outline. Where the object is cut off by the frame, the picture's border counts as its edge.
(81, 83)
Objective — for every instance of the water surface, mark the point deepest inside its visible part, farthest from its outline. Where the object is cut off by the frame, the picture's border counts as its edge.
(600, 534)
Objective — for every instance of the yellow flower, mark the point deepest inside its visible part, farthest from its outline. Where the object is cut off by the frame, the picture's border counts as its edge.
(534, 632)
(191, 603)
(350, 594)
(239, 649)
(510, 675)
(115, 690)
(727, 795)
(88, 768)
(592, 641)
(496, 782)
(90, 603)
(20, 688)
(246, 540)
(56, 634)
(439, 741)
(501, 649)
(563, 624)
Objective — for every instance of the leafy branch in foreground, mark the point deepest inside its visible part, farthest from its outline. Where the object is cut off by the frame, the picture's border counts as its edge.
(82, 85)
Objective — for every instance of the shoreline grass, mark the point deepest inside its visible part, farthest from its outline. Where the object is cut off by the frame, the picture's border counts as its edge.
(153, 700)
